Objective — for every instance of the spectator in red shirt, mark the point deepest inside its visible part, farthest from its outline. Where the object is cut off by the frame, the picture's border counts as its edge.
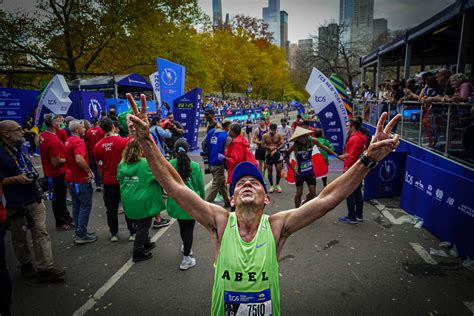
(237, 151)
(79, 177)
(108, 154)
(60, 132)
(53, 161)
(355, 146)
(92, 137)
(297, 122)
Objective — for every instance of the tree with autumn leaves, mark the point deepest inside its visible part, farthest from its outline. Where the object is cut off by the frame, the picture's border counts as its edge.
(125, 36)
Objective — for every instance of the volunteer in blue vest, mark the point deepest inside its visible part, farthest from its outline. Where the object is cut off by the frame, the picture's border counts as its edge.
(215, 144)
(247, 242)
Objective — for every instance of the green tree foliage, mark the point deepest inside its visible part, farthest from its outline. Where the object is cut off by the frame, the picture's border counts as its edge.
(123, 36)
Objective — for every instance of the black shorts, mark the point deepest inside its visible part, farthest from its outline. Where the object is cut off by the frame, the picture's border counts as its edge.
(260, 153)
(273, 160)
(309, 179)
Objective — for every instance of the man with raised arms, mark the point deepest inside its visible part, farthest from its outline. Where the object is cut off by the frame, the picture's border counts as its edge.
(247, 242)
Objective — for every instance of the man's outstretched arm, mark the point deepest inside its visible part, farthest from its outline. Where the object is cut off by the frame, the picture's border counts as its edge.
(287, 222)
(205, 213)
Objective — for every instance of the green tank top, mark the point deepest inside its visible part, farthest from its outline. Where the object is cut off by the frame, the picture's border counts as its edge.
(246, 273)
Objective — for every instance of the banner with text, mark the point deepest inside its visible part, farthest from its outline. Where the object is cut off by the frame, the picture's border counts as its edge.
(386, 179)
(17, 104)
(171, 78)
(186, 111)
(327, 103)
(55, 97)
(444, 201)
(155, 82)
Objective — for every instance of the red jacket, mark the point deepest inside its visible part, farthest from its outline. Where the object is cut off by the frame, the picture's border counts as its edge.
(236, 152)
(355, 146)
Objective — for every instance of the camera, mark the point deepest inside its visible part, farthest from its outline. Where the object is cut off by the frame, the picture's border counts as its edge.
(205, 159)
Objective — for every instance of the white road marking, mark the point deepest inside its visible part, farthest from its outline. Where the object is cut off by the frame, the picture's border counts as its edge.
(114, 279)
(397, 221)
(208, 186)
(470, 306)
(423, 253)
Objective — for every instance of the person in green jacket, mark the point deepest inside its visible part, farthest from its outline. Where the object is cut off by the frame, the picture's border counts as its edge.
(191, 174)
(142, 197)
(318, 133)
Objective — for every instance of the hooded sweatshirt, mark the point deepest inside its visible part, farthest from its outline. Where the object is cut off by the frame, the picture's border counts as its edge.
(236, 152)
(355, 146)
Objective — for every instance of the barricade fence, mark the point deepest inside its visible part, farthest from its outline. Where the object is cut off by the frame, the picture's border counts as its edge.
(445, 128)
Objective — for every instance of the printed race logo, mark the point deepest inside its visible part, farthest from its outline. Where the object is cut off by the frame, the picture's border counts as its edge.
(430, 190)
(388, 171)
(408, 178)
(450, 201)
(439, 194)
(169, 76)
(320, 99)
(329, 115)
(95, 108)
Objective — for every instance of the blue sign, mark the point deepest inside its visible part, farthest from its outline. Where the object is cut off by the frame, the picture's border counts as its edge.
(186, 111)
(92, 104)
(443, 199)
(17, 104)
(299, 107)
(386, 179)
(171, 82)
(332, 126)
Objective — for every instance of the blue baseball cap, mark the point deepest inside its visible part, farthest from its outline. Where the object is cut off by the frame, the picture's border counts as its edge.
(243, 169)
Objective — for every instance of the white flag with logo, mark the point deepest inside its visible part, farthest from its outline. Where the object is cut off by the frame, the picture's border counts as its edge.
(55, 97)
(155, 82)
(327, 103)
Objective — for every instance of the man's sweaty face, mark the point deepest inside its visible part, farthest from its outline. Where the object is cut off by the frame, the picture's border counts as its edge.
(249, 189)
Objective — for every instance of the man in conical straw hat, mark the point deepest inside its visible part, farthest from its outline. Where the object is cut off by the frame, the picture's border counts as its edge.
(304, 172)
(247, 242)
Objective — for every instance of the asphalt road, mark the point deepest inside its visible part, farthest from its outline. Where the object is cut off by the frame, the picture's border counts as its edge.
(328, 268)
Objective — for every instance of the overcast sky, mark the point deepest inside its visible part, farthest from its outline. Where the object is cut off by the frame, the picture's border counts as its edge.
(304, 16)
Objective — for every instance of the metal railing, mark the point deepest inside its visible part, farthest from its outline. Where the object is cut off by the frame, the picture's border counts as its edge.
(445, 128)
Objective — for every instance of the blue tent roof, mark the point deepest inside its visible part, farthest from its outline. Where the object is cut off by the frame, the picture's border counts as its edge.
(133, 82)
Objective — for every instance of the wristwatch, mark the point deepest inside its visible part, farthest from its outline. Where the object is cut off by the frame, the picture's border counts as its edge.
(367, 162)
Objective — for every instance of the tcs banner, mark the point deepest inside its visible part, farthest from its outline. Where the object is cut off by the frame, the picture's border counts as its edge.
(16, 104)
(386, 179)
(443, 199)
(327, 103)
(171, 83)
(186, 111)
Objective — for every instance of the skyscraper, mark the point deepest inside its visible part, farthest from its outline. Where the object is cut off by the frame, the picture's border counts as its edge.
(284, 31)
(216, 12)
(357, 16)
(271, 15)
(380, 27)
(328, 40)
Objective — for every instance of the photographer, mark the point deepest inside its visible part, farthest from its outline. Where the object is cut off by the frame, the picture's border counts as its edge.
(24, 205)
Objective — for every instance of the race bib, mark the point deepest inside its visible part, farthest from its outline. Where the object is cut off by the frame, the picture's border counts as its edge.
(306, 165)
(248, 303)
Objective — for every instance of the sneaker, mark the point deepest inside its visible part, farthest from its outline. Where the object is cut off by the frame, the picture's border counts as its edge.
(50, 275)
(271, 189)
(65, 227)
(86, 239)
(28, 271)
(148, 246)
(278, 189)
(359, 219)
(162, 223)
(131, 238)
(36, 155)
(347, 220)
(120, 209)
(141, 256)
(69, 199)
(98, 188)
(188, 262)
(114, 238)
(182, 250)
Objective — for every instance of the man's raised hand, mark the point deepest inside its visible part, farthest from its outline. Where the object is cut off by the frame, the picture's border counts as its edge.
(383, 142)
(137, 123)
